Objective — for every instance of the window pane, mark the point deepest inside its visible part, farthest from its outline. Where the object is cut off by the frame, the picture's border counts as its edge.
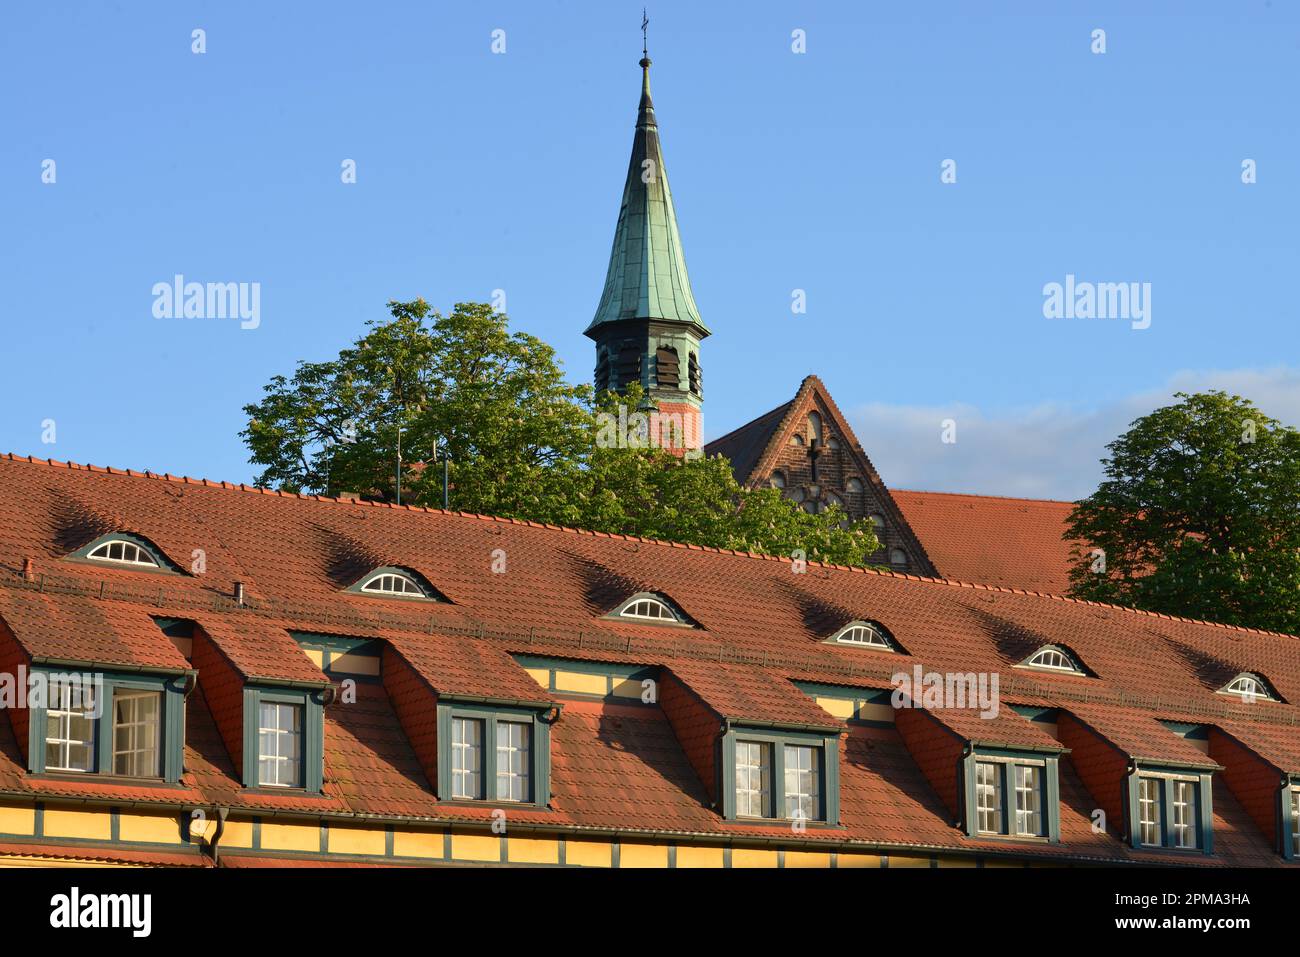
(1184, 806)
(1029, 817)
(512, 761)
(467, 758)
(802, 782)
(69, 729)
(136, 730)
(279, 745)
(1149, 811)
(1295, 822)
(988, 797)
(753, 779)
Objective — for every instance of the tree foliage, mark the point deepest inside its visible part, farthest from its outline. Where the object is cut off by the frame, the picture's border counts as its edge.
(521, 441)
(1199, 515)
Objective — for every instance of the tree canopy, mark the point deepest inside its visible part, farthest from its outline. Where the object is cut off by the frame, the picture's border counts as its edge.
(521, 441)
(1199, 516)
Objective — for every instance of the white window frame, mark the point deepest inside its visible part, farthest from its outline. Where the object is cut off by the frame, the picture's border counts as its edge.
(1295, 821)
(1146, 802)
(988, 797)
(875, 636)
(753, 778)
(639, 609)
(139, 556)
(60, 715)
(514, 761)
(803, 782)
(1028, 781)
(1261, 687)
(143, 753)
(1052, 658)
(467, 782)
(387, 582)
(286, 751)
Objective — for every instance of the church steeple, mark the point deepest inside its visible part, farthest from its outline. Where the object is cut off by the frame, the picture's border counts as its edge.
(647, 327)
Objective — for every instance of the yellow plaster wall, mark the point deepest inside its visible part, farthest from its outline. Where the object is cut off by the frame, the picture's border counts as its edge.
(355, 840)
(475, 847)
(87, 824)
(589, 853)
(149, 828)
(417, 844)
(290, 837)
(643, 855)
(532, 850)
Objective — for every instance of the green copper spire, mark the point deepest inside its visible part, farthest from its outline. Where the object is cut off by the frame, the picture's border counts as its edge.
(647, 270)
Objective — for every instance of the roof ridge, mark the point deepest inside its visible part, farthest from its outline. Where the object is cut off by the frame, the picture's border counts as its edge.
(860, 569)
(1001, 498)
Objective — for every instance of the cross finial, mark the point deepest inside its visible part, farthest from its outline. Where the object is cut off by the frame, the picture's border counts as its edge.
(645, 34)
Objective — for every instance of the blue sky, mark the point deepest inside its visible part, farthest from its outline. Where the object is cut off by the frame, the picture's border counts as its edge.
(817, 171)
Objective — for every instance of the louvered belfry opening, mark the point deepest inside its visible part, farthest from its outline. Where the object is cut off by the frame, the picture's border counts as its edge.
(666, 367)
(629, 366)
(696, 376)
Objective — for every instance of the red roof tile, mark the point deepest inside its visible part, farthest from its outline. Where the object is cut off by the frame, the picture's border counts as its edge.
(746, 694)
(1012, 542)
(58, 627)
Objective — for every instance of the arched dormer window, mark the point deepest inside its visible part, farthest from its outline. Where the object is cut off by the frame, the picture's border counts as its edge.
(1052, 658)
(865, 634)
(125, 550)
(650, 607)
(1250, 687)
(395, 583)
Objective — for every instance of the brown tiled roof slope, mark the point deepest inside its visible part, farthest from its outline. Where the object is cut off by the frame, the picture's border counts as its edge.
(1013, 542)
(614, 766)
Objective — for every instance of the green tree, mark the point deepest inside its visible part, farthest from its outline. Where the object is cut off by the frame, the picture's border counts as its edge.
(1199, 515)
(523, 443)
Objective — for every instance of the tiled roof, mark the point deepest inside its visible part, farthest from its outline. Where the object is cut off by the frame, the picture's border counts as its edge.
(1140, 735)
(72, 855)
(1012, 542)
(744, 446)
(614, 766)
(743, 693)
(260, 649)
(79, 628)
(466, 668)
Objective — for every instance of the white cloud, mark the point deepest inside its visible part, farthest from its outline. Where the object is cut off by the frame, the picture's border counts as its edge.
(1050, 450)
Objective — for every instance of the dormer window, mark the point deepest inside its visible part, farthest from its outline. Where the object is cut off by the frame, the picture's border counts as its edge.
(129, 551)
(865, 634)
(1052, 658)
(652, 608)
(395, 583)
(1249, 688)
(126, 553)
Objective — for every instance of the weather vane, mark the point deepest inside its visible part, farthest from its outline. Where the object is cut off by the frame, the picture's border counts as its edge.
(645, 23)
